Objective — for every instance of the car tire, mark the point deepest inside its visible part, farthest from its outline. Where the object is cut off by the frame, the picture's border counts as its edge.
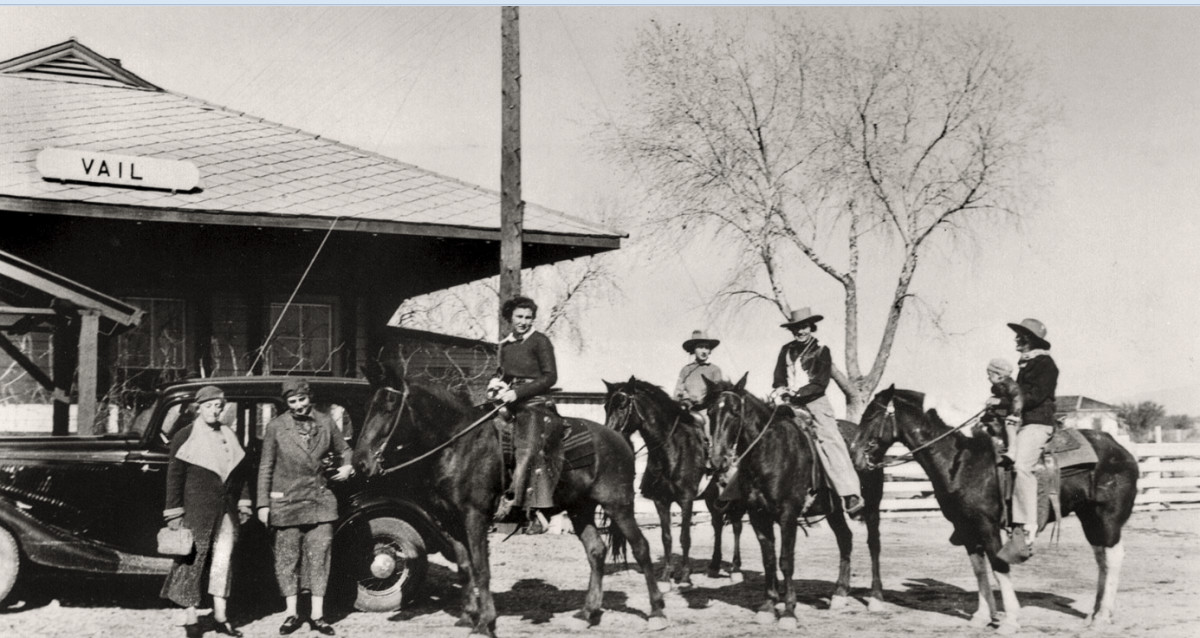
(386, 562)
(10, 563)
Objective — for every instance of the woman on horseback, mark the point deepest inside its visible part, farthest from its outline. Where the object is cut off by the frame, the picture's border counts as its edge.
(527, 372)
(802, 373)
(1038, 379)
(690, 389)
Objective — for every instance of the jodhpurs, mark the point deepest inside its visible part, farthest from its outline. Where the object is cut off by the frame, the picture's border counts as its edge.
(309, 545)
(832, 447)
(1031, 438)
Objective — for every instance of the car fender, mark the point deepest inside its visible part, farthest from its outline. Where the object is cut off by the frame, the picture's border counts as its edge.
(52, 546)
(363, 507)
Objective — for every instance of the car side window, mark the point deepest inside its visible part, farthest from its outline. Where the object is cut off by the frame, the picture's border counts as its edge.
(339, 415)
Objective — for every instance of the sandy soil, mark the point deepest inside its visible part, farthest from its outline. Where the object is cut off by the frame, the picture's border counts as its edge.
(540, 581)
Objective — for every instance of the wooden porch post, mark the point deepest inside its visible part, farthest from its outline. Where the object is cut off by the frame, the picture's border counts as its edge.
(512, 209)
(63, 365)
(89, 350)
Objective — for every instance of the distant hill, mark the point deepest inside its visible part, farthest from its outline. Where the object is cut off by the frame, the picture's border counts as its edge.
(1180, 400)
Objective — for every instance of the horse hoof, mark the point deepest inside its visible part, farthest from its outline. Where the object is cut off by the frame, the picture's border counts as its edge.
(838, 603)
(656, 623)
(736, 577)
(981, 619)
(874, 605)
(464, 622)
(788, 623)
(765, 618)
(713, 573)
(1008, 628)
(1100, 620)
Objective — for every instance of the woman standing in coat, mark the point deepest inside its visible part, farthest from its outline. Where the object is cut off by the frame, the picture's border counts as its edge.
(295, 501)
(206, 493)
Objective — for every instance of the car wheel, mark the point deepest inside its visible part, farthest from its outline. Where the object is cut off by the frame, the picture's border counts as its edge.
(385, 561)
(10, 563)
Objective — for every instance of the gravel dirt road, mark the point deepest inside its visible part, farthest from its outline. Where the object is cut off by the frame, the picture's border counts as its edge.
(540, 581)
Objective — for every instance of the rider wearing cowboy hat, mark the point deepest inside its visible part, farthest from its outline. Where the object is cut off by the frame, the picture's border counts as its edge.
(802, 373)
(1038, 378)
(690, 389)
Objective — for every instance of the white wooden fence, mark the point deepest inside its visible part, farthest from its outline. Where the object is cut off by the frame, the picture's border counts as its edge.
(1170, 477)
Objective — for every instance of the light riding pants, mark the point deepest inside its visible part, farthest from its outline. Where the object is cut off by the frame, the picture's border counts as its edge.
(834, 455)
(1031, 438)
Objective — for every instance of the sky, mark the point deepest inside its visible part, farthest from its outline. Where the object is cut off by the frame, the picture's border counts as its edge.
(1106, 256)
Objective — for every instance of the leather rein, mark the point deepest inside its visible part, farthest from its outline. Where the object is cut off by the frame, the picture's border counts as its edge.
(632, 401)
(911, 454)
(742, 422)
(438, 448)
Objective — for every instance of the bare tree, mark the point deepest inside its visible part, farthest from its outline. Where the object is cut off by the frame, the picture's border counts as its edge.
(842, 153)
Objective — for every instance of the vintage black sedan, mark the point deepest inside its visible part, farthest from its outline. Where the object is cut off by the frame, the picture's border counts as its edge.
(94, 503)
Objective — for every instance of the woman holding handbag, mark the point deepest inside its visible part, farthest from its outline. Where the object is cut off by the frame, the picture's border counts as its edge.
(207, 494)
(294, 500)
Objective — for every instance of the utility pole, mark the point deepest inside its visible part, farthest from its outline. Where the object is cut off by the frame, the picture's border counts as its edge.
(512, 209)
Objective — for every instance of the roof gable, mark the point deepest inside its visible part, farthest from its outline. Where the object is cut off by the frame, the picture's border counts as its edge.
(73, 62)
(1079, 403)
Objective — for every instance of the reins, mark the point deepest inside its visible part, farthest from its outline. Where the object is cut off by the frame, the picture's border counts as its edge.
(905, 458)
(741, 425)
(631, 401)
(438, 448)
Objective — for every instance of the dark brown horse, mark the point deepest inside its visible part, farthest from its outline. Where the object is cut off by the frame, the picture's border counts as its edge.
(770, 451)
(963, 472)
(465, 483)
(674, 470)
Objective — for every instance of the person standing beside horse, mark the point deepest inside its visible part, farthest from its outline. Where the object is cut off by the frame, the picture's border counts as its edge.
(690, 389)
(295, 502)
(207, 494)
(802, 372)
(528, 370)
(1038, 379)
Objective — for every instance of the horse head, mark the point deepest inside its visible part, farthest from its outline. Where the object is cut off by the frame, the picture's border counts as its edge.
(736, 417)
(890, 416)
(384, 411)
(636, 405)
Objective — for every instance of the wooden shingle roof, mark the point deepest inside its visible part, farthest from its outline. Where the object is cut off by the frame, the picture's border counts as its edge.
(252, 171)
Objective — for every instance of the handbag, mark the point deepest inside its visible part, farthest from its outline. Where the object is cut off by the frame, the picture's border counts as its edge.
(175, 542)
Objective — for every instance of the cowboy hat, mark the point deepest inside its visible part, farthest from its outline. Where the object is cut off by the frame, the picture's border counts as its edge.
(700, 338)
(801, 316)
(1032, 328)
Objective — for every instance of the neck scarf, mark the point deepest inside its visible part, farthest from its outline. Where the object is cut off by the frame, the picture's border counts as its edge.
(215, 449)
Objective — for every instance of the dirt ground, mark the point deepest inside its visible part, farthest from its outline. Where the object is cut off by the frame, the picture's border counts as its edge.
(540, 581)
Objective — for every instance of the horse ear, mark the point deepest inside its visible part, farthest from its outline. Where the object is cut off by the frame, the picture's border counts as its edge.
(741, 384)
(609, 387)
(710, 386)
(374, 373)
(632, 379)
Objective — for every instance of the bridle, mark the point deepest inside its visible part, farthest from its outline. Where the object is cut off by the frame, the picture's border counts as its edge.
(631, 406)
(889, 430)
(720, 425)
(378, 451)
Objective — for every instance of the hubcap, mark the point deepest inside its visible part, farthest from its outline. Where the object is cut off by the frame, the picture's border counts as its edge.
(383, 566)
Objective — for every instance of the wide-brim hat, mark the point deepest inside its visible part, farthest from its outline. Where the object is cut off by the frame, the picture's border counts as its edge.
(209, 393)
(295, 386)
(801, 316)
(700, 338)
(1033, 329)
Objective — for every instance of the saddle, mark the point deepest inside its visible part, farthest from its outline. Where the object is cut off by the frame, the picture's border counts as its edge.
(1067, 452)
(578, 452)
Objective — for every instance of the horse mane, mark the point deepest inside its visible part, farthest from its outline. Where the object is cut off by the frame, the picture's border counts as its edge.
(639, 386)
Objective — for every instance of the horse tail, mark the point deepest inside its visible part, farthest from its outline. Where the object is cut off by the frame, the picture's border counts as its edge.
(618, 545)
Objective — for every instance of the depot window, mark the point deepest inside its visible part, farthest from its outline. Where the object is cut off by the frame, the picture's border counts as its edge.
(303, 339)
(160, 341)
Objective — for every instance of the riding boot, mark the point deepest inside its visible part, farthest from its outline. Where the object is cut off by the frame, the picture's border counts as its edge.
(1017, 550)
(515, 495)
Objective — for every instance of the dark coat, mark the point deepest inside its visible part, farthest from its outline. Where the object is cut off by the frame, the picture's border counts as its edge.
(1038, 378)
(290, 481)
(815, 360)
(204, 498)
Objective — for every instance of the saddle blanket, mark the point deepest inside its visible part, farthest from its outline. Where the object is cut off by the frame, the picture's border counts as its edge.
(1070, 448)
(579, 450)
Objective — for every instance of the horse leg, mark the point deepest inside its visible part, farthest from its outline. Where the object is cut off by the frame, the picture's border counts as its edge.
(764, 529)
(1108, 560)
(1012, 609)
(735, 565)
(718, 525)
(477, 546)
(622, 517)
(845, 540)
(584, 521)
(664, 520)
(985, 612)
(466, 579)
(685, 541)
(787, 561)
(875, 600)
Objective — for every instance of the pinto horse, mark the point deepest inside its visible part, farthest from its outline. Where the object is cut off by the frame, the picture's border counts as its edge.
(674, 469)
(963, 472)
(465, 482)
(769, 449)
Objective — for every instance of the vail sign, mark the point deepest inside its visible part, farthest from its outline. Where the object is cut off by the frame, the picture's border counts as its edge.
(94, 167)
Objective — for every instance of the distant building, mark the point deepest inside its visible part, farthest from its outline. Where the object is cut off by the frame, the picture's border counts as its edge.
(1080, 412)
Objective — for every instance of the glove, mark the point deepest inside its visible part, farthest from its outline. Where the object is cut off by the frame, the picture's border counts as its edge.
(495, 388)
(1012, 420)
(507, 396)
(175, 523)
(992, 402)
(687, 403)
(264, 514)
(778, 395)
(244, 514)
